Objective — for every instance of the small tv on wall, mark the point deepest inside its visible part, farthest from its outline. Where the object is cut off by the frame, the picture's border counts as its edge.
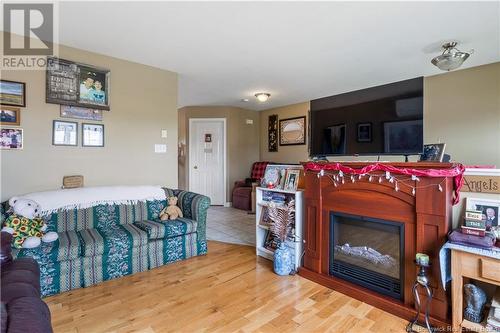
(382, 120)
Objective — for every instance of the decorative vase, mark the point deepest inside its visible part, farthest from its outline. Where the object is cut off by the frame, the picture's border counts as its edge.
(283, 263)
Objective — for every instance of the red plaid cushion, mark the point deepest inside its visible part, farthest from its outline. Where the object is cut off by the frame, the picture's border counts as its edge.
(258, 170)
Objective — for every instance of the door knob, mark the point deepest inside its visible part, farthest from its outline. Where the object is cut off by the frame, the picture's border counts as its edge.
(196, 167)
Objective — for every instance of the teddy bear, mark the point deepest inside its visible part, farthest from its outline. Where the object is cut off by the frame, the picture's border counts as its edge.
(171, 211)
(27, 229)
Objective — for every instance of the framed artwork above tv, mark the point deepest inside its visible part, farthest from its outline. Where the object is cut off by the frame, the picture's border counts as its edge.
(76, 84)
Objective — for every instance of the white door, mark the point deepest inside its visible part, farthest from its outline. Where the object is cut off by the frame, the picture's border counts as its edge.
(207, 150)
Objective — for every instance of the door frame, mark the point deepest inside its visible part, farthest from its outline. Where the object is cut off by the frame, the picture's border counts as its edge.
(224, 155)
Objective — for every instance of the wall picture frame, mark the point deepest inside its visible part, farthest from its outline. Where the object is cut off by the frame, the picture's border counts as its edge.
(292, 131)
(77, 84)
(92, 135)
(64, 133)
(272, 133)
(11, 138)
(12, 93)
(364, 133)
(433, 152)
(10, 116)
(489, 208)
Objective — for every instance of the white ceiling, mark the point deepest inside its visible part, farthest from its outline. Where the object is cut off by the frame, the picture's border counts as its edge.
(297, 51)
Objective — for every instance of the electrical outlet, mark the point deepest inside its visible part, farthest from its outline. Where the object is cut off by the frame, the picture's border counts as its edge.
(164, 133)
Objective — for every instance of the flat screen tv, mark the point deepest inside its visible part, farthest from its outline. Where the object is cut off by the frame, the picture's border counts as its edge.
(382, 120)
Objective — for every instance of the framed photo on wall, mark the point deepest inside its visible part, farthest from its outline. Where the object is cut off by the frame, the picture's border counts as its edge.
(489, 208)
(293, 131)
(76, 84)
(93, 88)
(64, 133)
(10, 116)
(11, 138)
(12, 93)
(92, 135)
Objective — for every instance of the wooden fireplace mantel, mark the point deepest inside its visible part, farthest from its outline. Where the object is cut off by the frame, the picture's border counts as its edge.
(426, 216)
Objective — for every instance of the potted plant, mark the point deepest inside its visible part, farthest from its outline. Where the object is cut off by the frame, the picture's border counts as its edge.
(282, 218)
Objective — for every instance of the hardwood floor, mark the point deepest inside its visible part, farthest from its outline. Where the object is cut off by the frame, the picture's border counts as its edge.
(228, 290)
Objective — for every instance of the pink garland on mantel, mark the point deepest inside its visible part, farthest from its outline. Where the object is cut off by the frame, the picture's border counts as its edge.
(457, 172)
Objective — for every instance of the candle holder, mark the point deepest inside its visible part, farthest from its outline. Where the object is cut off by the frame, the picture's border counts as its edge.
(423, 281)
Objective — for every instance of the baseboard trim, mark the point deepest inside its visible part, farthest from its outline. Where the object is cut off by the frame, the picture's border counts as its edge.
(228, 204)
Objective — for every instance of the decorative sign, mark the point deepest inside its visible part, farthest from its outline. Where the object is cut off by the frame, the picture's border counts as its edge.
(76, 112)
(272, 132)
(72, 181)
(481, 184)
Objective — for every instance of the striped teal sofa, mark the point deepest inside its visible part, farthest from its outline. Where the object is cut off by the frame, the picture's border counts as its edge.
(109, 241)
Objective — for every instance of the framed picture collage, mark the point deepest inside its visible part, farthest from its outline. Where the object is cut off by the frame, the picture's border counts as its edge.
(80, 90)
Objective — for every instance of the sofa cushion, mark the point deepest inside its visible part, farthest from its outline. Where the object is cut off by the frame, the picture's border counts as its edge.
(167, 229)
(103, 216)
(100, 241)
(66, 247)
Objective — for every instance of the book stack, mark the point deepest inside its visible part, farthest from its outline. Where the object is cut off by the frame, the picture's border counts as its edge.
(474, 223)
(276, 197)
(493, 321)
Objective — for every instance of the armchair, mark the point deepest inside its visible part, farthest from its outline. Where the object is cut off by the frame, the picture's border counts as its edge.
(242, 196)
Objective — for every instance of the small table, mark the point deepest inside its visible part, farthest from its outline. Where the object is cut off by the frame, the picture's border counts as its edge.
(470, 266)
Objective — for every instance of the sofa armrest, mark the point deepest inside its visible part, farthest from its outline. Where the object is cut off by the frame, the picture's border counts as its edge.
(194, 206)
(5, 247)
(239, 183)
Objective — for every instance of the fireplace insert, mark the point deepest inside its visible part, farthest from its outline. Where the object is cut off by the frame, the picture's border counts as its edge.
(368, 252)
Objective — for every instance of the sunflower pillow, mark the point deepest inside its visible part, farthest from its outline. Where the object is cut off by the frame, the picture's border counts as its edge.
(25, 232)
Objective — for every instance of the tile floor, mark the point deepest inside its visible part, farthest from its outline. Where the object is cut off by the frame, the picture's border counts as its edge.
(230, 225)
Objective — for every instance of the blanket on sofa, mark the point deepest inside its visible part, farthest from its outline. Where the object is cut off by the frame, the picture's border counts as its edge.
(85, 197)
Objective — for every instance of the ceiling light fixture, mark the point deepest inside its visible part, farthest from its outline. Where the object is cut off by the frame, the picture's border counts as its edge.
(451, 58)
(262, 97)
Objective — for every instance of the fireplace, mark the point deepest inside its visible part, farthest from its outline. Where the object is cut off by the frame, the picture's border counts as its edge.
(368, 252)
(416, 221)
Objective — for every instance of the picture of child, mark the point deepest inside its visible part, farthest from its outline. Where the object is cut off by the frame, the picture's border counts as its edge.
(11, 138)
(96, 94)
(93, 87)
(292, 179)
